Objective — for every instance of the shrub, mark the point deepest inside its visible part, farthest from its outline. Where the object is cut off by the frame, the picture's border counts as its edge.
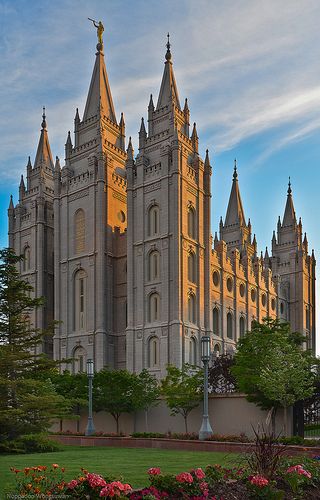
(30, 443)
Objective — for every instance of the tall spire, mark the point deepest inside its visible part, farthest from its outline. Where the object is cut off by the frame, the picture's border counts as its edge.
(289, 217)
(44, 156)
(99, 95)
(168, 90)
(235, 212)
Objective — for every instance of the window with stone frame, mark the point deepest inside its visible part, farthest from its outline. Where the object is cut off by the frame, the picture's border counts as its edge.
(192, 267)
(216, 321)
(79, 360)
(79, 231)
(192, 222)
(192, 316)
(154, 307)
(80, 300)
(242, 326)
(229, 326)
(193, 351)
(153, 221)
(153, 352)
(26, 264)
(154, 265)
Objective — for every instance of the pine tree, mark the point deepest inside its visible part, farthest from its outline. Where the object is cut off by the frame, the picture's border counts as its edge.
(28, 400)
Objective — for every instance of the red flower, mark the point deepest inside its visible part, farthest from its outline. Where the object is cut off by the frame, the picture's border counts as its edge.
(72, 484)
(199, 473)
(259, 481)
(184, 477)
(154, 471)
(299, 470)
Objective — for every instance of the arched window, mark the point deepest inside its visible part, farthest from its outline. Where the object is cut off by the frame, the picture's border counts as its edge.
(307, 319)
(153, 352)
(229, 326)
(192, 267)
(193, 351)
(242, 326)
(154, 307)
(80, 231)
(215, 321)
(79, 360)
(192, 308)
(216, 351)
(26, 259)
(192, 222)
(153, 220)
(80, 300)
(154, 265)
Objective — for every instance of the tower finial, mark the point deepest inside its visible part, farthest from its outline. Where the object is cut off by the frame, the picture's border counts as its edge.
(289, 186)
(168, 45)
(44, 123)
(235, 173)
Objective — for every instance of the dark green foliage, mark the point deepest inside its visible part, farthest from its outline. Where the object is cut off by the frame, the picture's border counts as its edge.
(183, 389)
(30, 443)
(28, 400)
(220, 377)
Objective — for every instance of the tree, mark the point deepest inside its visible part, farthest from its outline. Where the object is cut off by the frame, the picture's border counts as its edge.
(27, 402)
(76, 386)
(146, 393)
(221, 379)
(255, 355)
(183, 389)
(114, 392)
(286, 378)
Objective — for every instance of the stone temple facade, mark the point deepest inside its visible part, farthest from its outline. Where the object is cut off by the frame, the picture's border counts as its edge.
(120, 244)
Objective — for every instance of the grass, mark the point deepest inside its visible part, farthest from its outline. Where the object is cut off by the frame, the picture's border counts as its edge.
(129, 463)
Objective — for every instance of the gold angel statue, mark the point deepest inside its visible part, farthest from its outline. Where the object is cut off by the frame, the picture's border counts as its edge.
(100, 29)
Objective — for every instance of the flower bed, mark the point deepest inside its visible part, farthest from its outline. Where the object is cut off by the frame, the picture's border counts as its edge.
(291, 479)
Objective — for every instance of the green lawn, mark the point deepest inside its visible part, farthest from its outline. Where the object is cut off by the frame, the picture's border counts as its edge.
(131, 464)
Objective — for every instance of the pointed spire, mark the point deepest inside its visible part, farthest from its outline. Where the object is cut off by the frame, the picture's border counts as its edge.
(68, 146)
(22, 185)
(121, 122)
(235, 212)
(216, 237)
(186, 113)
(274, 239)
(168, 91)
(289, 217)
(207, 159)
(29, 165)
(142, 135)
(305, 243)
(57, 166)
(195, 139)
(43, 155)
(130, 151)
(99, 95)
(151, 105)
(220, 227)
(266, 254)
(11, 205)
(254, 243)
(77, 117)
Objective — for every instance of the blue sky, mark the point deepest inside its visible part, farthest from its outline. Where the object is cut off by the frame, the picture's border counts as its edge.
(250, 70)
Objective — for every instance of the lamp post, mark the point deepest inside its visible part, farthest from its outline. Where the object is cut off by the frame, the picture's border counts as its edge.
(90, 371)
(206, 430)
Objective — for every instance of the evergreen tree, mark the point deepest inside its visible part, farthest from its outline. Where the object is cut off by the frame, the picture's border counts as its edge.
(28, 400)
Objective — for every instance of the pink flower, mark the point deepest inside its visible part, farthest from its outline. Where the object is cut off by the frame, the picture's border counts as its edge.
(72, 484)
(199, 473)
(204, 488)
(299, 470)
(259, 481)
(184, 477)
(154, 471)
(95, 480)
(116, 488)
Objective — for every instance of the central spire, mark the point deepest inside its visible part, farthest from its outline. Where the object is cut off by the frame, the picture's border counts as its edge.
(289, 217)
(235, 212)
(168, 90)
(99, 95)
(43, 155)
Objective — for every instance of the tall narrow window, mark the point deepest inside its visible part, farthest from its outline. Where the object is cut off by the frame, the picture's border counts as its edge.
(307, 319)
(154, 265)
(153, 220)
(215, 321)
(191, 267)
(26, 259)
(192, 308)
(153, 353)
(80, 300)
(192, 222)
(242, 326)
(80, 231)
(154, 307)
(229, 326)
(193, 351)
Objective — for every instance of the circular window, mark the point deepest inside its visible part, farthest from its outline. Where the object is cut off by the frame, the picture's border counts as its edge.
(216, 278)
(242, 289)
(282, 307)
(263, 300)
(121, 216)
(253, 295)
(273, 304)
(229, 284)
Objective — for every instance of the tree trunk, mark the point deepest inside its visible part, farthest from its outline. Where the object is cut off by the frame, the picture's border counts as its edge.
(61, 425)
(186, 423)
(146, 421)
(285, 417)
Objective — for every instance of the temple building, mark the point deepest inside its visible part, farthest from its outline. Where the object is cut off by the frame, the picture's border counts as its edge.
(120, 244)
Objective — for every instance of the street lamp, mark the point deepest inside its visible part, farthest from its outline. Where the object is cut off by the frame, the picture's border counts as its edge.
(206, 430)
(90, 372)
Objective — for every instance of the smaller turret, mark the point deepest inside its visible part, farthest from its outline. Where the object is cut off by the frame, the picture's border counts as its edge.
(122, 137)
(68, 147)
(142, 135)
(186, 113)
(195, 139)
(22, 190)
(150, 116)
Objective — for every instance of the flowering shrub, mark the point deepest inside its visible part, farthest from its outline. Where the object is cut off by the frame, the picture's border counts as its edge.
(40, 480)
(154, 471)
(259, 481)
